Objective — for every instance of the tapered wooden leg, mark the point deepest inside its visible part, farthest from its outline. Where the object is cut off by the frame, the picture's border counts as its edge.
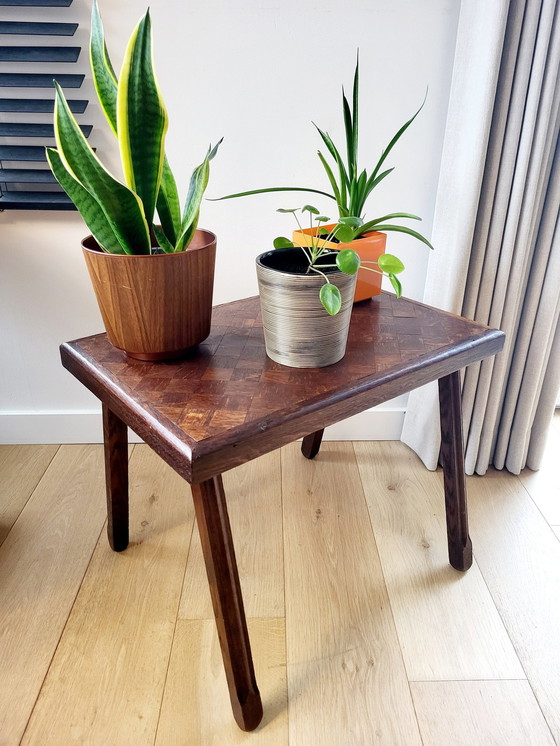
(311, 444)
(453, 462)
(221, 568)
(115, 440)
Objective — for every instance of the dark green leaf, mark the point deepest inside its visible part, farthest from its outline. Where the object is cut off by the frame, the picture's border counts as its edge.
(163, 241)
(330, 176)
(352, 221)
(330, 298)
(348, 261)
(355, 94)
(104, 77)
(271, 189)
(167, 204)
(390, 264)
(282, 243)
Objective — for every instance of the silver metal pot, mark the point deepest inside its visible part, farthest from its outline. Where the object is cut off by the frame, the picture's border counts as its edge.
(298, 332)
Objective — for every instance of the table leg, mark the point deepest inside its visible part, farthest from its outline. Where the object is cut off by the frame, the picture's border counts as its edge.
(115, 441)
(223, 577)
(311, 444)
(453, 462)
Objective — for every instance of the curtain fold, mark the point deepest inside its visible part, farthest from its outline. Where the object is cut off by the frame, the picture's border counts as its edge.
(498, 220)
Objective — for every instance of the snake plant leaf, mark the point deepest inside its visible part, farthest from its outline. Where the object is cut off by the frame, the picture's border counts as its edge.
(121, 206)
(390, 264)
(104, 78)
(88, 206)
(167, 204)
(281, 242)
(197, 186)
(141, 118)
(396, 283)
(403, 229)
(163, 241)
(331, 299)
(348, 261)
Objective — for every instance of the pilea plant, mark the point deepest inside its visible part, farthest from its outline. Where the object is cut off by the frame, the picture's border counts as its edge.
(346, 260)
(121, 215)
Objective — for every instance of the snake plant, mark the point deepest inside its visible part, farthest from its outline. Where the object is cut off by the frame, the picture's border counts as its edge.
(121, 215)
(352, 187)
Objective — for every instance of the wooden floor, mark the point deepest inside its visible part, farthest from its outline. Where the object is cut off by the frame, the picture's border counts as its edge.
(361, 632)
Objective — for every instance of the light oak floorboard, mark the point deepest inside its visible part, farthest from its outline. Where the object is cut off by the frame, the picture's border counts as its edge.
(519, 557)
(447, 623)
(346, 678)
(479, 713)
(21, 468)
(106, 680)
(196, 710)
(254, 498)
(544, 485)
(42, 563)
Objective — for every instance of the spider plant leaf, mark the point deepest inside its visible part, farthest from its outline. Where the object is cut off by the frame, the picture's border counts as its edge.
(88, 206)
(330, 298)
(167, 203)
(390, 264)
(330, 176)
(374, 180)
(104, 78)
(355, 95)
(392, 216)
(197, 186)
(402, 229)
(348, 130)
(163, 242)
(281, 242)
(122, 207)
(272, 189)
(333, 150)
(348, 261)
(357, 206)
(141, 118)
(396, 138)
(396, 283)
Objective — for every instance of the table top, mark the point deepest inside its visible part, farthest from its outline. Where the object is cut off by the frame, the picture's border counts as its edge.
(228, 402)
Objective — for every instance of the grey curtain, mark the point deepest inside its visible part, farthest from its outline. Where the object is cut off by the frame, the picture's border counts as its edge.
(496, 232)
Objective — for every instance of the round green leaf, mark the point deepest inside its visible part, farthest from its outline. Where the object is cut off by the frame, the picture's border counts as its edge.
(331, 298)
(396, 283)
(344, 233)
(352, 221)
(311, 209)
(322, 219)
(390, 264)
(282, 243)
(287, 209)
(348, 261)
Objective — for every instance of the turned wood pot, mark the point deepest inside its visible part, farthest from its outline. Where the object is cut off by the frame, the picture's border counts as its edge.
(298, 332)
(369, 248)
(155, 306)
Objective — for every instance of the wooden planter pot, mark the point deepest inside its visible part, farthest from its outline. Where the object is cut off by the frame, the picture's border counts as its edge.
(298, 332)
(368, 247)
(155, 307)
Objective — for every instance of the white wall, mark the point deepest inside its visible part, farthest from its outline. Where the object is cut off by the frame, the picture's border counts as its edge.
(258, 74)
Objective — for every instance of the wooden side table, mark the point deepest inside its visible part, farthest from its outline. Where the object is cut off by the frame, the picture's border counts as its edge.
(228, 403)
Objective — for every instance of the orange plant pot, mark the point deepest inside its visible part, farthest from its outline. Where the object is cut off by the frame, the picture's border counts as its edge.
(155, 307)
(368, 247)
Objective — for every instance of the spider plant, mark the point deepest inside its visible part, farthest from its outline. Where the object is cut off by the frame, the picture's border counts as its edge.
(121, 215)
(351, 187)
(346, 260)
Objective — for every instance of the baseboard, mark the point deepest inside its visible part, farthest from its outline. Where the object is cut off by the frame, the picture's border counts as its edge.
(85, 427)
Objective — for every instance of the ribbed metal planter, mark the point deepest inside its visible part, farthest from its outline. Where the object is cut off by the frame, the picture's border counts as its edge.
(298, 332)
